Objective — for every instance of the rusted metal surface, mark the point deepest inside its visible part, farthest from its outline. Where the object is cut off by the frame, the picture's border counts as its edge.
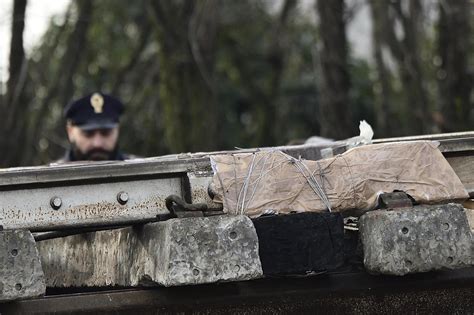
(61, 196)
(189, 162)
(395, 200)
(349, 293)
(176, 204)
(43, 236)
(122, 170)
(179, 208)
(86, 204)
(449, 143)
(457, 145)
(436, 137)
(199, 189)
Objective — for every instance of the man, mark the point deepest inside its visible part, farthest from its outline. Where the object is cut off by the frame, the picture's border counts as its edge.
(92, 125)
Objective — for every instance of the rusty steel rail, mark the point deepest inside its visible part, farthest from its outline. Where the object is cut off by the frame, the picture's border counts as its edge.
(127, 192)
(184, 163)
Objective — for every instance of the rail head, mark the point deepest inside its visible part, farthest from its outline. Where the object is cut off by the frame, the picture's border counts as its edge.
(169, 165)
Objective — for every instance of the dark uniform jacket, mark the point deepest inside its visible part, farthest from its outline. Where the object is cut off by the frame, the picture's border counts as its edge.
(119, 156)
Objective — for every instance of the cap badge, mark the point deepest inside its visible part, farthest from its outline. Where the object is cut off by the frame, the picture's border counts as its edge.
(97, 102)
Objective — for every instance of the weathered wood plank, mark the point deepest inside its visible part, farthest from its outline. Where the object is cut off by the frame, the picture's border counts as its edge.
(174, 252)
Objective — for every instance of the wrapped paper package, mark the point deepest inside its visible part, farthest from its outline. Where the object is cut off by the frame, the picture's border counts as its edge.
(273, 182)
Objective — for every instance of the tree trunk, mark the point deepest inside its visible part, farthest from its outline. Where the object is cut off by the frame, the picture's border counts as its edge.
(61, 87)
(406, 52)
(186, 36)
(382, 87)
(15, 102)
(17, 52)
(455, 81)
(335, 112)
(267, 134)
(411, 72)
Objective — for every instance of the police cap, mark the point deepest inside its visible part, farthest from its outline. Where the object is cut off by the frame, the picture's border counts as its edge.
(94, 111)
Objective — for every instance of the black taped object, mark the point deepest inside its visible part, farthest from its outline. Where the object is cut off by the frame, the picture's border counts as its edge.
(300, 243)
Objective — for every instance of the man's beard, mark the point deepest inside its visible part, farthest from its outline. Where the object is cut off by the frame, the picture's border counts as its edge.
(94, 154)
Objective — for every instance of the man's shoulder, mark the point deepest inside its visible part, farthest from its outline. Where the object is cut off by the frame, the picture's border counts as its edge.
(127, 156)
(119, 157)
(64, 159)
(59, 161)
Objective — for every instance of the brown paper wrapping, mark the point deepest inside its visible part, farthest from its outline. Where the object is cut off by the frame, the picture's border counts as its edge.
(273, 182)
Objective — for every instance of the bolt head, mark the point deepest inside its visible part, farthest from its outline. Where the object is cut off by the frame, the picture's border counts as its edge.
(56, 203)
(122, 197)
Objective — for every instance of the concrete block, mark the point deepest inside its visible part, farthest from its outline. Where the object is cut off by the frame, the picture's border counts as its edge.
(470, 218)
(170, 253)
(206, 250)
(21, 275)
(418, 239)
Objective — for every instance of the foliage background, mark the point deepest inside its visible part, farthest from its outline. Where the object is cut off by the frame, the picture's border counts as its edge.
(218, 74)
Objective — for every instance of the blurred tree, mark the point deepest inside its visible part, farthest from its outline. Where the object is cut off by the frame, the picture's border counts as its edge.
(335, 113)
(383, 78)
(205, 75)
(13, 104)
(60, 86)
(455, 79)
(361, 95)
(257, 60)
(255, 66)
(406, 18)
(186, 34)
(276, 59)
(17, 60)
(85, 51)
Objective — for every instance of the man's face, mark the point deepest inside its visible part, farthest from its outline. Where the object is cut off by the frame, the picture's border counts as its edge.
(94, 145)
